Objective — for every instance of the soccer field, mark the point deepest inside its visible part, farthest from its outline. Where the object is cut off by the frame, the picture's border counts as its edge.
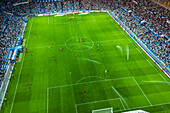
(84, 65)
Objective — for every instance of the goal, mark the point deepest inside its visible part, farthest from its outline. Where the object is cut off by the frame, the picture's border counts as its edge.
(105, 110)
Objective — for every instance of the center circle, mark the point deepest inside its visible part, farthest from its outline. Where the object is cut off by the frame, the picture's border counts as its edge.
(79, 44)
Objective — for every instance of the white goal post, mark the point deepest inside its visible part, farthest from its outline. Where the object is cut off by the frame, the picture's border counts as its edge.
(105, 110)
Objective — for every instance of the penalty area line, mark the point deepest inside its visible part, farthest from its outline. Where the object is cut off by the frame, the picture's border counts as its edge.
(90, 77)
(90, 82)
(47, 98)
(76, 108)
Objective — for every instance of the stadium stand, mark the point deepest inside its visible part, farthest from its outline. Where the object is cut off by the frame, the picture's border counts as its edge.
(10, 29)
(148, 20)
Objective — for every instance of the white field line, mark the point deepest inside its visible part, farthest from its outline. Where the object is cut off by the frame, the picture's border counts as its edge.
(139, 51)
(157, 71)
(142, 91)
(93, 17)
(90, 60)
(122, 104)
(47, 98)
(74, 44)
(17, 85)
(89, 82)
(86, 46)
(20, 57)
(111, 110)
(97, 101)
(90, 77)
(121, 98)
(29, 33)
(84, 83)
(102, 109)
(20, 71)
(76, 108)
(152, 66)
(143, 107)
(158, 82)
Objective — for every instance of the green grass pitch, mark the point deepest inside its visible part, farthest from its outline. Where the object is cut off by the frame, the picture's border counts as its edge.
(92, 71)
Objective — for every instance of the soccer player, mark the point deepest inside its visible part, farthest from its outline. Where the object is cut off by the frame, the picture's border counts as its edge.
(12, 76)
(98, 46)
(5, 99)
(92, 56)
(61, 49)
(105, 71)
(28, 85)
(77, 40)
(84, 92)
(53, 58)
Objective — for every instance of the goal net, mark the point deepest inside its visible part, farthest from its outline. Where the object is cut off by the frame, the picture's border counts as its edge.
(106, 110)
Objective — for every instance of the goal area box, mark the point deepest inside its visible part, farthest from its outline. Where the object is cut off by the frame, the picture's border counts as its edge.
(105, 110)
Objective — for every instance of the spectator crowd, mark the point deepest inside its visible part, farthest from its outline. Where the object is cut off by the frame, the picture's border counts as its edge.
(131, 12)
(11, 27)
